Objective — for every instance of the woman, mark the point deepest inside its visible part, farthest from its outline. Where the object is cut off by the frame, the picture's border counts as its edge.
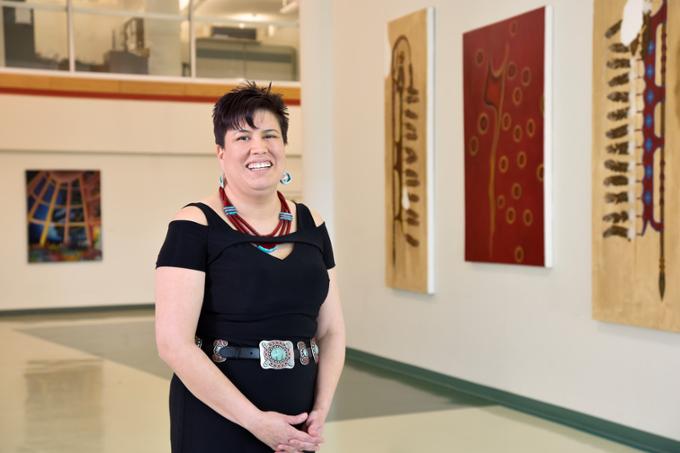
(250, 324)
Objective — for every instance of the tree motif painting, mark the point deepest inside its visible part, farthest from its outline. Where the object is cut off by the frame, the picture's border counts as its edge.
(408, 153)
(636, 133)
(507, 132)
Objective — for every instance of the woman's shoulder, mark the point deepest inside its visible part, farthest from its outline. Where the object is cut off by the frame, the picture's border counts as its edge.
(318, 219)
(194, 213)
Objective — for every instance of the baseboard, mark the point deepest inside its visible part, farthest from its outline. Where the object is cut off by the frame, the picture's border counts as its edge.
(603, 428)
(71, 310)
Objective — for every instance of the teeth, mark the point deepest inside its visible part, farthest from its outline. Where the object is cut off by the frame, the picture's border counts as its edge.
(257, 165)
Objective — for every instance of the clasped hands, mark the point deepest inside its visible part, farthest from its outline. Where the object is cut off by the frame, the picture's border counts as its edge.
(279, 431)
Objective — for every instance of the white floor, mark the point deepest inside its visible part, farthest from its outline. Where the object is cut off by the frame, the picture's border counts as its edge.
(484, 430)
(59, 399)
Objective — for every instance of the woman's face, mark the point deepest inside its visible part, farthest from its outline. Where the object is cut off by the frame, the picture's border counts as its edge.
(253, 159)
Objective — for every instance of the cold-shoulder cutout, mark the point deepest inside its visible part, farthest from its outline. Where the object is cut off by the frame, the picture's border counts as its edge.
(315, 219)
(318, 220)
(192, 214)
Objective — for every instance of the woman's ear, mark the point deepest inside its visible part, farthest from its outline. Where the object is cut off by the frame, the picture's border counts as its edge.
(219, 150)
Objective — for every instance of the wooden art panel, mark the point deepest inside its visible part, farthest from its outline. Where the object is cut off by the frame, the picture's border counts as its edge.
(636, 139)
(408, 153)
(506, 108)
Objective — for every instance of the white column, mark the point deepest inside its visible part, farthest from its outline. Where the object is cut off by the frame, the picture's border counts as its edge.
(317, 107)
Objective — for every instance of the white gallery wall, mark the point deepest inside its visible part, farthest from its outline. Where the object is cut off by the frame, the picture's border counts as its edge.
(521, 329)
(154, 158)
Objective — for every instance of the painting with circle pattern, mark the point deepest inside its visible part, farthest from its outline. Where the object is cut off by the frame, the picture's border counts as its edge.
(636, 136)
(507, 133)
(63, 215)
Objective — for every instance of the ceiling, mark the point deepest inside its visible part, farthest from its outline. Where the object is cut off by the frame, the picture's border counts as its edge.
(245, 10)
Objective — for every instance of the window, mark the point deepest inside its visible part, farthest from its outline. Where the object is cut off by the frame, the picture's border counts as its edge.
(179, 38)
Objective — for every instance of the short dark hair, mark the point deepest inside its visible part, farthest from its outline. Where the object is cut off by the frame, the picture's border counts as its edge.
(241, 103)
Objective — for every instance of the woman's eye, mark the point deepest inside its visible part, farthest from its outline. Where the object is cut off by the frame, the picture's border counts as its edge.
(270, 136)
(242, 138)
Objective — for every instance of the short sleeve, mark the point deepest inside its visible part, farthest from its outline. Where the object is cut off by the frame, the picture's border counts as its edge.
(327, 247)
(186, 245)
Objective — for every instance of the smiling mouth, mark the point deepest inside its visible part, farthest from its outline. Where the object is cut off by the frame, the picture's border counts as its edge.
(255, 166)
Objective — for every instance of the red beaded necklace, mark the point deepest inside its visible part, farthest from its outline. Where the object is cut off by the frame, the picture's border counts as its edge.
(282, 228)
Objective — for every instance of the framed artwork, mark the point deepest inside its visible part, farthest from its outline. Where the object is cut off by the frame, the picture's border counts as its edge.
(408, 153)
(636, 129)
(507, 105)
(63, 215)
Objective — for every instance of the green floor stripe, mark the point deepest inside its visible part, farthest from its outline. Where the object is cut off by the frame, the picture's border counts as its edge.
(76, 310)
(620, 433)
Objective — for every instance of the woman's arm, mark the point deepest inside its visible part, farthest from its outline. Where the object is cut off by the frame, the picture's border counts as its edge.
(330, 336)
(331, 339)
(179, 295)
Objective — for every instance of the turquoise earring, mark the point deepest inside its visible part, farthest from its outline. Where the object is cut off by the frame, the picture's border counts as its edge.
(286, 178)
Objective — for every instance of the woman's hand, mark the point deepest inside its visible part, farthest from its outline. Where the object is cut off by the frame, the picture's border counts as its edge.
(278, 432)
(314, 427)
(315, 422)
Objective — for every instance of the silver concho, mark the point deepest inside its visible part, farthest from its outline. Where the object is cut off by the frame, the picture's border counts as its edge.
(304, 352)
(276, 355)
(198, 342)
(315, 350)
(217, 346)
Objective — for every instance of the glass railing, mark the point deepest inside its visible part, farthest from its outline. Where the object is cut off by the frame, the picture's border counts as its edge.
(179, 38)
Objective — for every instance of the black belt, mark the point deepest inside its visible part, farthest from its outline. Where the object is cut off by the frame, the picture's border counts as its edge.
(237, 352)
(273, 354)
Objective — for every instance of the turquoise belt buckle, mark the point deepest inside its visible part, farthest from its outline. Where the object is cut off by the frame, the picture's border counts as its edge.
(276, 355)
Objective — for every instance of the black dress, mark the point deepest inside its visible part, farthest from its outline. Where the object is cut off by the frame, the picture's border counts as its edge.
(249, 296)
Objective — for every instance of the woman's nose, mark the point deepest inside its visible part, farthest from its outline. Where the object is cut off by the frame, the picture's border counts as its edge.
(258, 146)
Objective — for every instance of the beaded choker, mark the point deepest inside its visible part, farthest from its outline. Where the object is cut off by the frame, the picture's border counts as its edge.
(282, 228)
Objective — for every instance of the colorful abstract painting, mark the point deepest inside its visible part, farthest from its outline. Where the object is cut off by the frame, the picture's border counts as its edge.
(63, 215)
(636, 137)
(507, 166)
(408, 153)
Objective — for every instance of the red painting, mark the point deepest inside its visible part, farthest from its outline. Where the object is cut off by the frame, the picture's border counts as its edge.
(504, 86)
